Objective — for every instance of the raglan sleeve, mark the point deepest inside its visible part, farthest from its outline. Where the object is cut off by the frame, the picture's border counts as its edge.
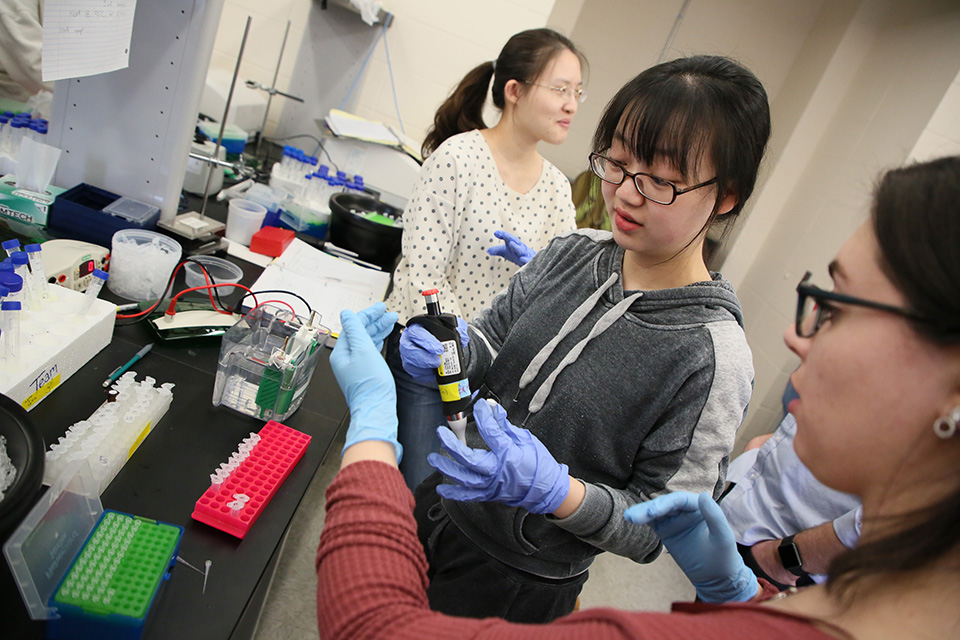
(688, 450)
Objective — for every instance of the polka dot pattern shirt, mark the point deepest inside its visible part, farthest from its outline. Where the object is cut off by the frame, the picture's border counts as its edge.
(458, 202)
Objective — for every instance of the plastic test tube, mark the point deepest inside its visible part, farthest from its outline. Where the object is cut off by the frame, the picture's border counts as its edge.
(10, 312)
(10, 246)
(37, 274)
(20, 261)
(99, 277)
(11, 281)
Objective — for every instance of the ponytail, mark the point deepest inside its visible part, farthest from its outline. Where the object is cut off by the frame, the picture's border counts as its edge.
(523, 59)
(462, 111)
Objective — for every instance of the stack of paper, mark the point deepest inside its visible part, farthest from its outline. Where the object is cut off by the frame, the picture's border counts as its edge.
(328, 284)
(351, 126)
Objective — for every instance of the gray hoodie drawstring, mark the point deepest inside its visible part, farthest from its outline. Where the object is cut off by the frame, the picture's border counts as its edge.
(611, 316)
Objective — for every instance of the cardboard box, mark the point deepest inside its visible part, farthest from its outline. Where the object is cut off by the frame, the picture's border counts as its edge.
(25, 205)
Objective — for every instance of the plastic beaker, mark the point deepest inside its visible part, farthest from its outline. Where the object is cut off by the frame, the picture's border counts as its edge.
(220, 271)
(244, 219)
(141, 263)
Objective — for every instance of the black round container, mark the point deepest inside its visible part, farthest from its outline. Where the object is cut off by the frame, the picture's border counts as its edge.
(26, 450)
(372, 241)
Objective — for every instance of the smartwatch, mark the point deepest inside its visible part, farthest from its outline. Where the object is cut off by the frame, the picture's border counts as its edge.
(790, 557)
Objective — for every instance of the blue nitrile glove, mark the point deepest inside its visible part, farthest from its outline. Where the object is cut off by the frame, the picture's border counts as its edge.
(518, 470)
(420, 352)
(512, 249)
(365, 378)
(378, 322)
(697, 535)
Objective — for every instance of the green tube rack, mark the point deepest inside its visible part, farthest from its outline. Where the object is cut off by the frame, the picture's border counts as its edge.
(109, 588)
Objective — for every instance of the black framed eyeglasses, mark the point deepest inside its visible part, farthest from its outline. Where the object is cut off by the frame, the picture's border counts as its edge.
(650, 186)
(568, 93)
(814, 308)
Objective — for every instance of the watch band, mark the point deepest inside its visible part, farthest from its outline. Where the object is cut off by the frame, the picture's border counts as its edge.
(790, 557)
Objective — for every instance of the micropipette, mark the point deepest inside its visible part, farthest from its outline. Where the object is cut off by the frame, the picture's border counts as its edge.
(99, 277)
(37, 273)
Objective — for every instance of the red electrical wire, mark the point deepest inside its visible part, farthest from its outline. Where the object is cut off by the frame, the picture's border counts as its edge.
(286, 304)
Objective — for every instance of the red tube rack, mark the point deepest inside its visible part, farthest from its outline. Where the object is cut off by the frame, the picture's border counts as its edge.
(257, 478)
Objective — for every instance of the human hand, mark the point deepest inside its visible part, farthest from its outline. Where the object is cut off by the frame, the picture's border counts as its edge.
(697, 535)
(512, 249)
(378, 322)
(420, 351)
(365, 378)
(518, 470)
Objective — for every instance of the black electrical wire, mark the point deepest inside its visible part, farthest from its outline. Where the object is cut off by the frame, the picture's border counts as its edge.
(320, 146)
(236, 309)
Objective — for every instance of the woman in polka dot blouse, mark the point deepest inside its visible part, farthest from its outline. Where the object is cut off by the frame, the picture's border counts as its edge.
(475, 182)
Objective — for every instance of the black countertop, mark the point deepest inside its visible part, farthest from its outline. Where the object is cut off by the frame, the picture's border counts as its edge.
(170, 471)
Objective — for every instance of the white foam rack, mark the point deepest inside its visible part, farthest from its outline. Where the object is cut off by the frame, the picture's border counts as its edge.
(54, 343)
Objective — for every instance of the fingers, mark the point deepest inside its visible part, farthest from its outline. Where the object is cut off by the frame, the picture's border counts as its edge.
(503, 235)
(497, 250)
(353, 330)
(716, 522)
(457, 450)
(463, 476)
(419, 337)
(380, 328)
(461, 494)
(669, 505)
(491, 423)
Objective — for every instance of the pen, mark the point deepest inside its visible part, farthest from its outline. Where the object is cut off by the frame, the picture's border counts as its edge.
(119, 371)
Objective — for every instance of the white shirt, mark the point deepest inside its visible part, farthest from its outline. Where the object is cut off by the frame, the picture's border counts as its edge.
(776, 495)
(458, 202)
(21, 37)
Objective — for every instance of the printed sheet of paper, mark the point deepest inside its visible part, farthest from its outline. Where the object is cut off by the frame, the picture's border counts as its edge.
(329, 284)
(86, 37)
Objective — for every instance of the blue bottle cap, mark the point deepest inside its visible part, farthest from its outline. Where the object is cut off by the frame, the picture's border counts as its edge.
(11, 281)
(10, 244)
(3, 291)
(19, 258)
(6, 266)
(10, 305)
(32, 248)
(98, 273)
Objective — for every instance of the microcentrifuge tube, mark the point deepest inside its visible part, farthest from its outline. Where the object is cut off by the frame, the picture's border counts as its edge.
(99, 277)
(10, 313)
(37, 274)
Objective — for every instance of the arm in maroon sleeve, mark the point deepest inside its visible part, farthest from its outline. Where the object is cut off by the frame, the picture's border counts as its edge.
(372, 582)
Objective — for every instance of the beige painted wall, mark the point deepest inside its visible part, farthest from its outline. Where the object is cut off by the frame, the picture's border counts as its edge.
(888, 93)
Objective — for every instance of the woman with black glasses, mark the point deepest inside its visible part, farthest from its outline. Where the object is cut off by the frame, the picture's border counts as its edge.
(877, 415)
(620, 352)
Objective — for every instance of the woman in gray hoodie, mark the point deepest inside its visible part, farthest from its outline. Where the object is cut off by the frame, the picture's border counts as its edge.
(619, 351)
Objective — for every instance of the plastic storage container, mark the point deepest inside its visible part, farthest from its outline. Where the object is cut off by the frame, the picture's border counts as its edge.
(244, 218)
(370, 228)
(266, 362)
(141, 263)
(220, 271)
(81, 213)
(68, 548)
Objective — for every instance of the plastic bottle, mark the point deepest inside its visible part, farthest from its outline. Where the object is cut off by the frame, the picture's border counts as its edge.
(451, 375)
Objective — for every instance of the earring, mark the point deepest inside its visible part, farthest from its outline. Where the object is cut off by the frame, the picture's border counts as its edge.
(946, 426)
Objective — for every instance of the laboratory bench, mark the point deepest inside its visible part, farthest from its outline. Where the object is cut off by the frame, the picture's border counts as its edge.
(171, 469)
